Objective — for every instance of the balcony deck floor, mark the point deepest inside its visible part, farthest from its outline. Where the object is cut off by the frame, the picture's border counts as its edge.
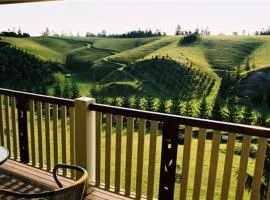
(23, 178)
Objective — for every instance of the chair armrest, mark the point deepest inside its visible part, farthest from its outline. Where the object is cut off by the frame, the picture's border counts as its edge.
(64, 166)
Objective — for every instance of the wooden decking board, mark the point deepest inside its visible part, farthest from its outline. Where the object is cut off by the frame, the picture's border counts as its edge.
(25, 178)
(30, 176)
(100, 194)
(33, 173)
(12, 163)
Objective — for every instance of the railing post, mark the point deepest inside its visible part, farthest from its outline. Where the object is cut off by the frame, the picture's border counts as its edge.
(23, 131)
(168, 159)
(85, 135)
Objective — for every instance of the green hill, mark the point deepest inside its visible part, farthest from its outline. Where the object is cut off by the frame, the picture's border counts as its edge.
(225, 53)
(119, 63)
(142, 51)
(114, 44)
(161, 78)
(36, 48)
(58, 44)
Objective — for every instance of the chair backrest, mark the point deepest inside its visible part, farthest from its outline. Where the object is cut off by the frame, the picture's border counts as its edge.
(72, 192)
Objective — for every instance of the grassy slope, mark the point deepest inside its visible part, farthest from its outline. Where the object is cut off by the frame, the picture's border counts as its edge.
(222, 52)
(84, 54)
(261, 56)
(142, 51)
(58, 44)
(39, 50)
(228, 53)
(115, 44)
(189, 54)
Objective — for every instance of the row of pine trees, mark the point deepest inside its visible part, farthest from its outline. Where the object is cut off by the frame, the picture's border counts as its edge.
(229, 110)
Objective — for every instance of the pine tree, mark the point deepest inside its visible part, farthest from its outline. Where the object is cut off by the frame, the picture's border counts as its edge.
(66, 89)
(149, 103)
(247, 66)
(216, 111)
(247, 115)
(203, 109)
(75, 92)
(57, 90)
(176, 106)
(44, 89)
(188, 109)
(125, 102)
(162, 105)
(137, 103)
(232, 111)
(114, 101)
(261, 120)
(100, 99)
(93, 91)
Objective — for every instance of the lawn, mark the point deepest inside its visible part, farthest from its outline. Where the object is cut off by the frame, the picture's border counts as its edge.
(206, 162)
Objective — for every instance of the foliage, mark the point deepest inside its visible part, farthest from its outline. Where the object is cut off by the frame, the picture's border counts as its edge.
(216, 111)
(261, 120)
(263, 31)
(176, 106)
(66, 89)
(162, 106)
(247, 115)
(126, 102)
(137, 34)
(188, 110)
(232, 113)
(189, 39)
(203, 109)
(57, 90)
(149, 103)
(13, 34)
(265, 177)
(75, 91)
(27, 71)
(151, 78)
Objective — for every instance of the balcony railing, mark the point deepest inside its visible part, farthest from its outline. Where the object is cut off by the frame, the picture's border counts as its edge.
(132, 152)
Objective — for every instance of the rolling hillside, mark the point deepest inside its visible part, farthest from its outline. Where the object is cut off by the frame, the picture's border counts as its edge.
(119, 65)
(37, 49)
(135, 54)
(114, 44)
(148, 77)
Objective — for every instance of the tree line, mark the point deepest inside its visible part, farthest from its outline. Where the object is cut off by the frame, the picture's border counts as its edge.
(263, 31)
(129, 34)
(180, 31)
(67, 89)
(229, 111)
(21, 70)
(19, 34)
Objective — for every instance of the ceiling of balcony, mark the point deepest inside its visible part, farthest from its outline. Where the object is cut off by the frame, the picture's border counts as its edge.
(20, 1)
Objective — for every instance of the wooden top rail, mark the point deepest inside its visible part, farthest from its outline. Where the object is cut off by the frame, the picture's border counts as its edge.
(189, 121)
(37, 97)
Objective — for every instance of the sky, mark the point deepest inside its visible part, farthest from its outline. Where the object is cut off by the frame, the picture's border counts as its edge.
(117, 16)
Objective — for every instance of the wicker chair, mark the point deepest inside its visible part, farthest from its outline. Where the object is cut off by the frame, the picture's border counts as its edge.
(72, 192)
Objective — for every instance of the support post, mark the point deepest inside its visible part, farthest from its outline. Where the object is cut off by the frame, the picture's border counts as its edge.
(23, 132)
(168, 159)
(85, 136)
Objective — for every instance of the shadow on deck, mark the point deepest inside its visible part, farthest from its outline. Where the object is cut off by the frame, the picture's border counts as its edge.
(24, 178)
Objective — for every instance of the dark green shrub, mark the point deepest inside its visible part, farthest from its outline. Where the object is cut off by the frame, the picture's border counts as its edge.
(189, 39)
